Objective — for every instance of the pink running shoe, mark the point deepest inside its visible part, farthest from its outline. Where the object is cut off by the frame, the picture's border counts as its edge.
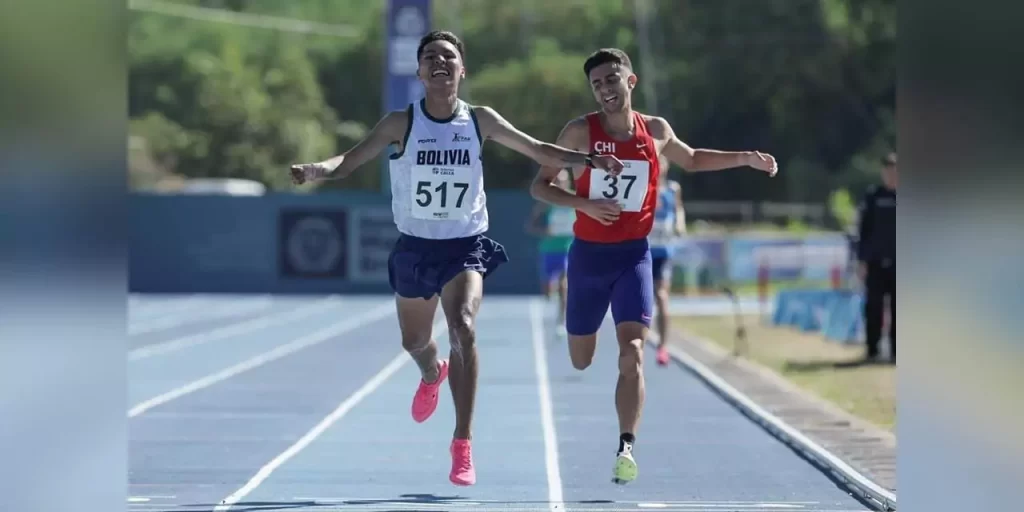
(424, 403)
(462, 463)
(662, 356)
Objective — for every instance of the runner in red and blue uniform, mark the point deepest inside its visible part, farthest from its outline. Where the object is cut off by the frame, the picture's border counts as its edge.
(610, 259)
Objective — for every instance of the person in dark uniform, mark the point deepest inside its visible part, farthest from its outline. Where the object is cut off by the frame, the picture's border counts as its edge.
(876, 256)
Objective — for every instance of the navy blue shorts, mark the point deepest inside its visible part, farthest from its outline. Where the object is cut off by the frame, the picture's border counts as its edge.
(552, 265)
(420, 267)
(661, 268)
(602, 275)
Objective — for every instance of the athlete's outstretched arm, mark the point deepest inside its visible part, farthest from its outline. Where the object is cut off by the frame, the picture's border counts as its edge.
(498, 129)
(390, 129)
(694, 160)
(545, 188)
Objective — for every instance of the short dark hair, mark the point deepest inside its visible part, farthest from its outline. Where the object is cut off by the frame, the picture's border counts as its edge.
(604, 56)
(889, 160)
(441, 35)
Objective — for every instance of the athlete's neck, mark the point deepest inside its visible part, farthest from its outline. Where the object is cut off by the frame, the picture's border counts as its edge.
(620, 123)
(442, 107)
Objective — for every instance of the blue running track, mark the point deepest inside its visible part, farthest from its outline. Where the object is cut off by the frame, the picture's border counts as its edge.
(301, 404)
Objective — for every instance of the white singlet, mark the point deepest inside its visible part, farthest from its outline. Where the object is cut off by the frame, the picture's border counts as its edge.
(437, 181)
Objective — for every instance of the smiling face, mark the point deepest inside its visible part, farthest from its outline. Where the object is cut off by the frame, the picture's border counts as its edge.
(610, 74)
(612, 84)
(441, 67)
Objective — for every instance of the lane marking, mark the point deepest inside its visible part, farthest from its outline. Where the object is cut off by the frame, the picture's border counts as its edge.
(547, 422)
(164, 322)
(330, 332)
(787, 434)
(236, 329)
(145, 309)
(440, 327)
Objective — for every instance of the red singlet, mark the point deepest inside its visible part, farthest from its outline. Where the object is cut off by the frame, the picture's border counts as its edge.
(635, 189)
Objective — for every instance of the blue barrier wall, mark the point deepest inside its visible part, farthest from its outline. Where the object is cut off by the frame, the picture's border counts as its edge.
(290, 243)
(339, 243)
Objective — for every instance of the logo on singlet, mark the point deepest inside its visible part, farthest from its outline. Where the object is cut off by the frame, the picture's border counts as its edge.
(604, 147)
(443, 157)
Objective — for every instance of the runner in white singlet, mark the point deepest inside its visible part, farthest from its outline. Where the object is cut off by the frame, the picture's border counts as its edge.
(440, 209)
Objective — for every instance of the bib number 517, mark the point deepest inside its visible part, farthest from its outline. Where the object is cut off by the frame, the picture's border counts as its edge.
(424, 196)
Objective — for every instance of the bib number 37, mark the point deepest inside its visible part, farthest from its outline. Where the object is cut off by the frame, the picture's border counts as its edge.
(629, 188)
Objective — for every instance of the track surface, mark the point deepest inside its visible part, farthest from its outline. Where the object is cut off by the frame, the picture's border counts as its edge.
(302, 404)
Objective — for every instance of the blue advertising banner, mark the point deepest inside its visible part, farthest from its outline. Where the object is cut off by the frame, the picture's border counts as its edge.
(407, 21)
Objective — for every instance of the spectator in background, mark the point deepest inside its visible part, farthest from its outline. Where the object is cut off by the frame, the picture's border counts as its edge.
(876, 257)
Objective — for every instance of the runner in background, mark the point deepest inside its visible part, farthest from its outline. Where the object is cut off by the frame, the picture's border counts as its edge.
(554, 224)
(669, 225)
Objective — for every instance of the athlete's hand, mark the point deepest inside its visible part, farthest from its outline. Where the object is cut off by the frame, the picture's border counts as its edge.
(763, 162)
(301, 173)
(609, 163)
(605, 211)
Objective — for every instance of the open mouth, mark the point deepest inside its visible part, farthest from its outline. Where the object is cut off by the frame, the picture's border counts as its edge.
(610, 99)
(440, 72)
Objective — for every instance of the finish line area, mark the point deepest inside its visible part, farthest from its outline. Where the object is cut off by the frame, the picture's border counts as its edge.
(301, 403)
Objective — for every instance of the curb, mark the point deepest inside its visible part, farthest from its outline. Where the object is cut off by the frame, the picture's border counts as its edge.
(860, 485)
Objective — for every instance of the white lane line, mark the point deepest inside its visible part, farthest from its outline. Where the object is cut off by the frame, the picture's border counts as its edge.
(547, 421)
(289, 348)
(787, 434)
(236, 329)
(164, 322)
(369, 387)
(145, 309)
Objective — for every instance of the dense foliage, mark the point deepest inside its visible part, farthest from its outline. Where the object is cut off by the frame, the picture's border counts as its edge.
(812, 81)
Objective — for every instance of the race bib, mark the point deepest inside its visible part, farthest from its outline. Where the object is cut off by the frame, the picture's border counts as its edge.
(560, 221)
(629, 188)
(441, 193)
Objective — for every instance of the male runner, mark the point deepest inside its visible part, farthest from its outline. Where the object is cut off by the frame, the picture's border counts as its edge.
(669, 224)
(440, 210)
(610, 261)
(554, 224)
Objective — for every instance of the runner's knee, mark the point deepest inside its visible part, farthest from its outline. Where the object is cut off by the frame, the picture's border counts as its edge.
(631, 358)
(580, 361)
(414, 342)
(581, 351)
(462, 328)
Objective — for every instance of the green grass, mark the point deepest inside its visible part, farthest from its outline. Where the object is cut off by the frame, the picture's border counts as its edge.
(824, 368)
